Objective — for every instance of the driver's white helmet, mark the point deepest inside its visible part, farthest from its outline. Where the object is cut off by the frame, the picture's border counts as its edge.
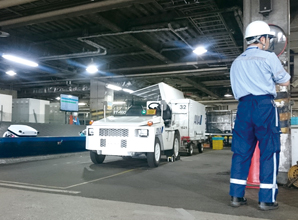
(256, 29)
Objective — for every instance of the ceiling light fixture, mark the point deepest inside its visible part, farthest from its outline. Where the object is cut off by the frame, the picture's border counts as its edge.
(228, 94)
(19, 60)
(199, 50)
(81, 103)
(92, 69)
(128, 90)
(113, 87)
(11, 73)
(57, 98)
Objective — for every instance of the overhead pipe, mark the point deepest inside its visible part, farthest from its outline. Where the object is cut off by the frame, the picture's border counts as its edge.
(10, 3)
(178, 35)
(98, 53)
(78, 55)
(135, 32)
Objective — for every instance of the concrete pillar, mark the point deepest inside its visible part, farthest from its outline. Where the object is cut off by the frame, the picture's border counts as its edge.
(280, 16)
(100, 97)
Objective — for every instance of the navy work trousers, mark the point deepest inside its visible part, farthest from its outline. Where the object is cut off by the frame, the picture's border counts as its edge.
(257, 120)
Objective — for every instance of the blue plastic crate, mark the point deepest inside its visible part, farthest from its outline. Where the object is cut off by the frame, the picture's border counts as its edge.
(218, 138)
(294, 120)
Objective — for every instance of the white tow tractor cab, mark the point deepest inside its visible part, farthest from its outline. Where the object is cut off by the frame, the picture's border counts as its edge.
(149, 129)
(20, 131)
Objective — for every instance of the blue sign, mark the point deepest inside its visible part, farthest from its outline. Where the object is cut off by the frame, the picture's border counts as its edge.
(69, 103)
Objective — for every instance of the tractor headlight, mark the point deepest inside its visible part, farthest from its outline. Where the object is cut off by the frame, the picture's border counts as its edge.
(90, 132)
(143, 132)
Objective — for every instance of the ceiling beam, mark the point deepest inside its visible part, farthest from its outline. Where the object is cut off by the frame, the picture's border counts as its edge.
(10, 3)
(69, 12)
(198, 86)
(103, 77)
(213, 61)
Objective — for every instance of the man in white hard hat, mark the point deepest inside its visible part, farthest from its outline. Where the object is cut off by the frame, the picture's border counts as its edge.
(254, 75)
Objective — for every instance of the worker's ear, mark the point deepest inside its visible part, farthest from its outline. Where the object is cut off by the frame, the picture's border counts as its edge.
(263, 40)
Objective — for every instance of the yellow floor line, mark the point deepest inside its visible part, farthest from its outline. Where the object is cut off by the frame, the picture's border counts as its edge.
(102, 178)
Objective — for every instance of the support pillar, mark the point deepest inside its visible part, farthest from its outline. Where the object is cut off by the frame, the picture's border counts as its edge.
(279, 16)
(100, 98)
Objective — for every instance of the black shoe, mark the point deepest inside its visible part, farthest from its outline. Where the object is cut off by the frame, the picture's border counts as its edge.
(236, 201)
(264, 206)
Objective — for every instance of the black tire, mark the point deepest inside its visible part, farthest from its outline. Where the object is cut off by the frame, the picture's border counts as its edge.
(190, 148)
(176, 146)
(200, 148)
(95, 158)
(153, 158)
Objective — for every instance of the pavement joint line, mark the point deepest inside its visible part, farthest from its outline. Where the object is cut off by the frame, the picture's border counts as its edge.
(102, 178)
(20, 184)
(29, 184)
(185, 214)
(39, 188)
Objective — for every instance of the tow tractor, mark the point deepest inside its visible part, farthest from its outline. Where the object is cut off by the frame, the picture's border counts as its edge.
(152, 128)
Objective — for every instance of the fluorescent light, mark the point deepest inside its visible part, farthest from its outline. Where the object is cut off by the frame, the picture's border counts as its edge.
(19, 60)
(228, 95)
(91, 69)
(11, 73)
(128, 90)
(199, 50)
(58, 98)
(82, 103)
(118, 103)
(113, 87)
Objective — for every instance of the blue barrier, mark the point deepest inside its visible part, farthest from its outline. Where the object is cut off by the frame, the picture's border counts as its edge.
(33, 146)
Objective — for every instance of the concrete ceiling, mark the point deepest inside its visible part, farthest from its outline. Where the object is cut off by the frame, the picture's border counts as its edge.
(136, 43)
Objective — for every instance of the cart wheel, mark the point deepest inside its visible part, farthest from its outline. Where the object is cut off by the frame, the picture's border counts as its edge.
(190, 149)
(95, 158)
(176, 146)
(153, 158)
(200, 148)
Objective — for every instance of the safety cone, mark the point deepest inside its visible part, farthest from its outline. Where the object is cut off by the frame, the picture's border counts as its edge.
(253, 179)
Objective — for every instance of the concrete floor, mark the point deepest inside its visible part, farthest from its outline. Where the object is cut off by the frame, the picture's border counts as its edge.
(71, 187)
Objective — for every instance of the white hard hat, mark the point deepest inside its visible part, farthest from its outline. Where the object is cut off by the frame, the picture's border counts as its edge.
(257, 28)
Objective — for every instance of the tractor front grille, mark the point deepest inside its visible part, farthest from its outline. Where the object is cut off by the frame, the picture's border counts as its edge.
(123, 143)
(113, 132)
(102, 142)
